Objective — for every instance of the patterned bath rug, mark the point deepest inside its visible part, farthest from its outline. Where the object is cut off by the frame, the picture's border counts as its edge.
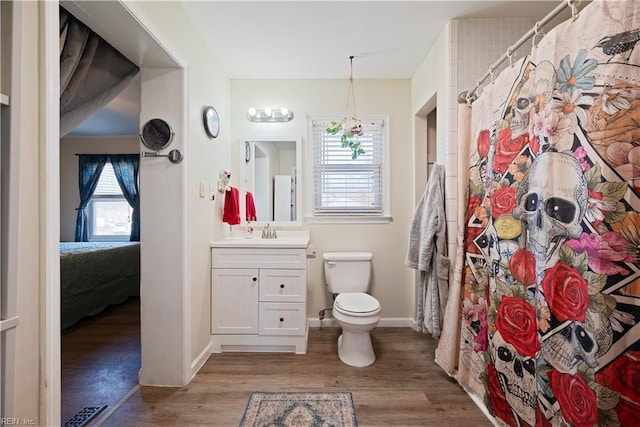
(300, 409)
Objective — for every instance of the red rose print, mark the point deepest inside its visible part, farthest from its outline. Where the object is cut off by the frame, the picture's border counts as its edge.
(577, 401)
(523, 266)
(516, 322)
(507, 149)
(623, 375)
(566, 292)
(483, 142)
(503, 201)
(501, 407)
(627, 412)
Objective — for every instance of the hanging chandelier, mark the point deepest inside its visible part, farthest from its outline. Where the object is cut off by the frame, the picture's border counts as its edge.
(351, 128)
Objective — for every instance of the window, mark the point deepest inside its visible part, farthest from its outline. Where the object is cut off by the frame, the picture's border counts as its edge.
(109, 212)
(346, 188)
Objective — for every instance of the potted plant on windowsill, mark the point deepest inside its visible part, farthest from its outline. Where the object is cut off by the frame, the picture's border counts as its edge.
(350, 128)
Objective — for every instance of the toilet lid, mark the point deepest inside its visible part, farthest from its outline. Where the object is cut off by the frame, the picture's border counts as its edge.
(356, 302)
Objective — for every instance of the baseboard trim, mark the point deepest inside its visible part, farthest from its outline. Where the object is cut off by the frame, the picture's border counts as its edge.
(115, 407)
(200, 360)
(385, 322)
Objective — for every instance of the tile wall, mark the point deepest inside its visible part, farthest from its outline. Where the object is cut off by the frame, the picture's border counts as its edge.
(475, 44)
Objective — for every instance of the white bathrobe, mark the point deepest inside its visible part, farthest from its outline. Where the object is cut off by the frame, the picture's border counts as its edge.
(427, 253)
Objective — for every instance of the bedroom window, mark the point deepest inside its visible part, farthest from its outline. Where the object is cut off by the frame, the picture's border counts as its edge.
(345, 189)
(109, 212)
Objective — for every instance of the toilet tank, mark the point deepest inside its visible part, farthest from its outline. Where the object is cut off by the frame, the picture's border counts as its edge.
(347, 271)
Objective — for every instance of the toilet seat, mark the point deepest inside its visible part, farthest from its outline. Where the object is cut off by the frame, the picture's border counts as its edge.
(356, 304)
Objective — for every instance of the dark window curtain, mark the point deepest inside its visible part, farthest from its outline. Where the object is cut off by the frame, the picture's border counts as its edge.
(89, 169)
(126, 167)
(92, 72)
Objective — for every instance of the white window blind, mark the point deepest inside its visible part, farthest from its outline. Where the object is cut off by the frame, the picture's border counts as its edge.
(344, 186)
(108, 183)
(109, 212)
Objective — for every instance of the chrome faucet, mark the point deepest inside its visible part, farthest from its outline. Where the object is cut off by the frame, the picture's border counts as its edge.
(268, 232)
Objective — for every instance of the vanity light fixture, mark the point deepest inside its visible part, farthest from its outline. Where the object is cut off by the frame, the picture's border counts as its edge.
(269, 114)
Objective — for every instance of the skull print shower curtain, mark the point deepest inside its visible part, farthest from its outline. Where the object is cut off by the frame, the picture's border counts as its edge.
(551, 281)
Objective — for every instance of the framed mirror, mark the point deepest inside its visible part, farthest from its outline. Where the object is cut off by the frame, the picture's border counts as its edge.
(271, 180)
(156, 134)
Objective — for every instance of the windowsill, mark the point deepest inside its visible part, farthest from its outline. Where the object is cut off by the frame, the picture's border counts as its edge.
(348, 219)
(108, 239)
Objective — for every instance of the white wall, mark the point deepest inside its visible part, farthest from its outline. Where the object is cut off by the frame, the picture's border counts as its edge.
(392, 280)
(163, 285)
(431, 88)
(69, 193)
(22, 221)
(206, 84)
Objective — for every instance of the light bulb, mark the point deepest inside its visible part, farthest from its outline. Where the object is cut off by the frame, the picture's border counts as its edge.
(267, 111)
(284, 111)
(252, 111)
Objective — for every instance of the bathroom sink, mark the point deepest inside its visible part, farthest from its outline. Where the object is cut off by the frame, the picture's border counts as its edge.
(291, 239)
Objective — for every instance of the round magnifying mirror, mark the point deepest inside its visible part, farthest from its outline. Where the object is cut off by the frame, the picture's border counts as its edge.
(156, 134)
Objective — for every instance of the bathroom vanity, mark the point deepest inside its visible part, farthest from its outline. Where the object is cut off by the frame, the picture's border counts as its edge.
(258, 294)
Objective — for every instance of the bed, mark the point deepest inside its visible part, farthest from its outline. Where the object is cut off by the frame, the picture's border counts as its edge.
(94, 275)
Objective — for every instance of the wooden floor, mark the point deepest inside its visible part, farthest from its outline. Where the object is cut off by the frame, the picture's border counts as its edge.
(101, 358)
(404, 387)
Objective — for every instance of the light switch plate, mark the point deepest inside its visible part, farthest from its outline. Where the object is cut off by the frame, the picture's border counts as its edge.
(203, 190)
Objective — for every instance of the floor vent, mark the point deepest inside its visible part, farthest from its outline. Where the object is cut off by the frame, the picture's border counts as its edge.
(83, 416)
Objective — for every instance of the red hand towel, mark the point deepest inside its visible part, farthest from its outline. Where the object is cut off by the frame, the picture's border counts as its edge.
(250, 207)
(231, 214)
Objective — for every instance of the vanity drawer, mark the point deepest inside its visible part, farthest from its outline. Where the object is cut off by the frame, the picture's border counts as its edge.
(258, 258)
(283, 285)
(282, 318)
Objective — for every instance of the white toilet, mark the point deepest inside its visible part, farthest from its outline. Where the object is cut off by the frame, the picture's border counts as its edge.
(348, 274)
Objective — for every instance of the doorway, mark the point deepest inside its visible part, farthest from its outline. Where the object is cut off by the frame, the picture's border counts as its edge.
(162, 282)
(431, 139)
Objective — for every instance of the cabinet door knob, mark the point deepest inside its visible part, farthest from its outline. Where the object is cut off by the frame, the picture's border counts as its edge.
(255, 279)
(282, 286)
(282, 319)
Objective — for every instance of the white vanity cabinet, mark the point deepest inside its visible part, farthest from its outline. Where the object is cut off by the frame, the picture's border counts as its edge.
(234, 297)
(258, 299)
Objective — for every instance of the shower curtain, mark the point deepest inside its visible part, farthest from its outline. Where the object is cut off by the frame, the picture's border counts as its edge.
(550, 286)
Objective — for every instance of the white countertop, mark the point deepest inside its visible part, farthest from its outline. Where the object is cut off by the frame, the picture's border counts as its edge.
(285, 239)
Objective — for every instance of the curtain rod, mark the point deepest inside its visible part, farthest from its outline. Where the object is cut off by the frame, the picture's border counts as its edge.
(470, 96)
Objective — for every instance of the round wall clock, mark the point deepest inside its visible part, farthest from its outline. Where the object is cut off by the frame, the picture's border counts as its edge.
(211, 122)
(247, 152)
